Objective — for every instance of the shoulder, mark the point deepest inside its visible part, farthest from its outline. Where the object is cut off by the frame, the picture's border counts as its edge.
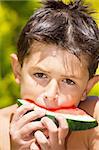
(7, 111)
(5, 118)
(91, 106)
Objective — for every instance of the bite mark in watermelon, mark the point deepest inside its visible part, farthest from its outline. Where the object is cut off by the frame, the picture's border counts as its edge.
(76, 118)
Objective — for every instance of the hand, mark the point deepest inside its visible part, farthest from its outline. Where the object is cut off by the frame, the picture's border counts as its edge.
(23, 125)
(57, 136)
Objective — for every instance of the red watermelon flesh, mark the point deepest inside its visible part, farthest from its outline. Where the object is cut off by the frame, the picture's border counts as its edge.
(76, 118)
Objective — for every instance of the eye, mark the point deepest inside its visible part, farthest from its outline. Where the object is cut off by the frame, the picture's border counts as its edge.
(69, 81)
(40, 75)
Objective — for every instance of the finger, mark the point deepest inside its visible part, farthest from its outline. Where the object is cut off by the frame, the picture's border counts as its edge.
(31, 116)
(63, 129)
(34, 146)
(21, 111)
(30, 128)
(52, 130)
(41, 140)
(20, 141)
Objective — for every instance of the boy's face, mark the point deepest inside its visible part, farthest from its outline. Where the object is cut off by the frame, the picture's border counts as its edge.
(53, 77)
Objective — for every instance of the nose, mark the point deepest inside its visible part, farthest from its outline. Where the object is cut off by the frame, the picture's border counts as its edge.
(51, 92)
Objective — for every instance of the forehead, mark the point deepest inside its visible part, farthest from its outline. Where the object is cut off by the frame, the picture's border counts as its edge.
(51, 56)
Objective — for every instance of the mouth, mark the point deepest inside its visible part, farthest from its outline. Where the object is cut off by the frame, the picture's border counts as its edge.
(56, 109)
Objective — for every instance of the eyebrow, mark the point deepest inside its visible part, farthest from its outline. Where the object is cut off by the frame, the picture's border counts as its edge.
(46, 71)
(70, 76)
(40, 69)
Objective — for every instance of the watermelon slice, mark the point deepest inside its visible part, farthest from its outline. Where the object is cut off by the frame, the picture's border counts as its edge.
(76, 118)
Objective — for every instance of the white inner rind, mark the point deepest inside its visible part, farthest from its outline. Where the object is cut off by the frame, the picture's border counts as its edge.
(84, 118)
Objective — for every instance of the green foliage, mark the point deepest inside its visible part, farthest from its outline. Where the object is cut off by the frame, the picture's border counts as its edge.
(13, 16)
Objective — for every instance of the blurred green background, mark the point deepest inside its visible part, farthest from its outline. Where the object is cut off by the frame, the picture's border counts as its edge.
(13, 16)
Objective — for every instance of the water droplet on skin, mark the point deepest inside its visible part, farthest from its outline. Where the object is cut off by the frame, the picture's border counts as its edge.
(80, 64)
(54, 53)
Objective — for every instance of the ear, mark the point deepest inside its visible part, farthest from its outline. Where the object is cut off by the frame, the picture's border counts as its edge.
(90, 85)
(16, 67)
(92, 82)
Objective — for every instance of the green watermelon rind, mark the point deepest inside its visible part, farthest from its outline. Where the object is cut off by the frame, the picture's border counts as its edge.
(73, 124)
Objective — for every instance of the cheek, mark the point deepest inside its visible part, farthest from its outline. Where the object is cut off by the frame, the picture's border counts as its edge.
(70, 98)
(30, 88)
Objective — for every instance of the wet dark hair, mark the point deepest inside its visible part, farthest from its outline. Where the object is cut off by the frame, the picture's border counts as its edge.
(67, 25)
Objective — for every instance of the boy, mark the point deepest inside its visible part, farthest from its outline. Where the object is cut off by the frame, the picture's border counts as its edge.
(55, 66)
